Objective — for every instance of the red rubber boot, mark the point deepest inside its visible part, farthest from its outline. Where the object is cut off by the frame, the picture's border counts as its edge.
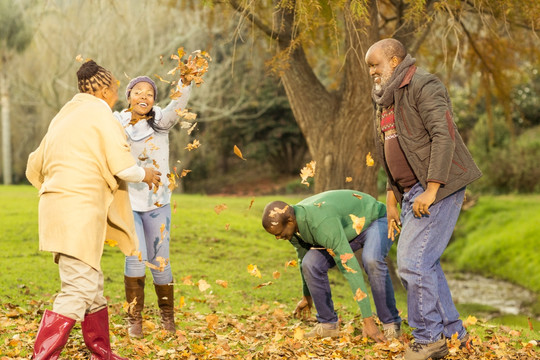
(52, 335)
(95, 329)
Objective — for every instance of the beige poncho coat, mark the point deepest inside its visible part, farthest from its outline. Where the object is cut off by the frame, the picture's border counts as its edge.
(81, 202)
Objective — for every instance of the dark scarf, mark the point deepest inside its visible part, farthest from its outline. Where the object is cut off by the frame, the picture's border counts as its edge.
(385, 96)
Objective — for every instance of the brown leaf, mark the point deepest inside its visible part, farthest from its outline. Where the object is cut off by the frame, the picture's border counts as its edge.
(219, 208)
(263, 285)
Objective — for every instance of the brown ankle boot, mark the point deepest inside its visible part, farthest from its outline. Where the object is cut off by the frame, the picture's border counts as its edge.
(165, 295)
(135, 295)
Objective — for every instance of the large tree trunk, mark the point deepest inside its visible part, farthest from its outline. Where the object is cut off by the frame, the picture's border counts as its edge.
(338, 126)
(6, 131)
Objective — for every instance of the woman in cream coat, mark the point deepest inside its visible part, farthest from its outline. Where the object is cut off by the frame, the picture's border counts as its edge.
(77, 169)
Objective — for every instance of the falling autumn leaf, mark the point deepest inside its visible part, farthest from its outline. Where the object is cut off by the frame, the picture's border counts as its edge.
(182, 301)
(254, 271)
(291, 263)
(369, 160)
(319, 204)
(111, 243)
(263, 285)
(184, 113)
(238, 153)
(203, 285)
(358, 196)
(162, 231)
(348, 179)
(219, 208)
(251, 203)
(222, 283)
(174, 207)
(184, 172)
(276, 275)
(162, 79)
(359, 295)
(194, 145)
(172, 181)
(358, 223)
(227, 226)
(331, 252)
(79, 58)
(308, 171)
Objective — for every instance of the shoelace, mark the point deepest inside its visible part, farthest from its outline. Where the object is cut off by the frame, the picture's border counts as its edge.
(416, 347)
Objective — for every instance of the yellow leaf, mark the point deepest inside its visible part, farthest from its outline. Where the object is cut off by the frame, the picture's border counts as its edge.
(111, 243)
(358, 223)
(276, 274)
(298, 333)
(471, 320)
(222, 283)
(319, 204)
(238, 153)
(182, 301)
(369, 160)
(227, 226)
(346, 257)
(291, 263)
(348, 179)
(186, 280)
(162, 79)
(194, 145)
(252, 269)
(359, 295)
(263, 285)
(308, 171)
(275, 211)
(358, 196)
(184, 172)
(331, 252)
(211, 321)
(349, 269)
(203, 285)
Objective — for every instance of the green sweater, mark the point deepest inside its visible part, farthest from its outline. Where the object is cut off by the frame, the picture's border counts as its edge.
(324, 221)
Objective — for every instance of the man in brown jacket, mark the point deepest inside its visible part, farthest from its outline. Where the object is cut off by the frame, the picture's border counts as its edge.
(428, 167)
(76, 169)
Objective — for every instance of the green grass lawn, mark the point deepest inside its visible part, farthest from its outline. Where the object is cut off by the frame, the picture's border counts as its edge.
(205, 246)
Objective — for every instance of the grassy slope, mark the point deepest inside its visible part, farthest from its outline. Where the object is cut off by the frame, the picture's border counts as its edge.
(500, 236)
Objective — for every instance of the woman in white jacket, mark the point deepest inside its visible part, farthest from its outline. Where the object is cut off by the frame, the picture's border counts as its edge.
(147, 127)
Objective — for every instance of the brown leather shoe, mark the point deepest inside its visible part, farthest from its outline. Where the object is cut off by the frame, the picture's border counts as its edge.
(165, 295)
(135, 297)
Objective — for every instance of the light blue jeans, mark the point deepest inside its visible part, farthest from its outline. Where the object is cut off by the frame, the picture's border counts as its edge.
(152, 243)
(431, 310)
(375, 243)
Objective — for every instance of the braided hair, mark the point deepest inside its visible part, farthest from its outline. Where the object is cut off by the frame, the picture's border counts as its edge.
(92, 77)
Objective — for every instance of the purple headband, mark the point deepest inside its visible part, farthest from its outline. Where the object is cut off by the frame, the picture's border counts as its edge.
(137, 80)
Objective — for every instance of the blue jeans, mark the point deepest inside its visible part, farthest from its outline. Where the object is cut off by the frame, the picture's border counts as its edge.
(421, 244)
(153, 242)
(374, 240)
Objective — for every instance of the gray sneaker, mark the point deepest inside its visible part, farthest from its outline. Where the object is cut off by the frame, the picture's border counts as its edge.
(435, 350)
(323, 330)
(392, 331)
